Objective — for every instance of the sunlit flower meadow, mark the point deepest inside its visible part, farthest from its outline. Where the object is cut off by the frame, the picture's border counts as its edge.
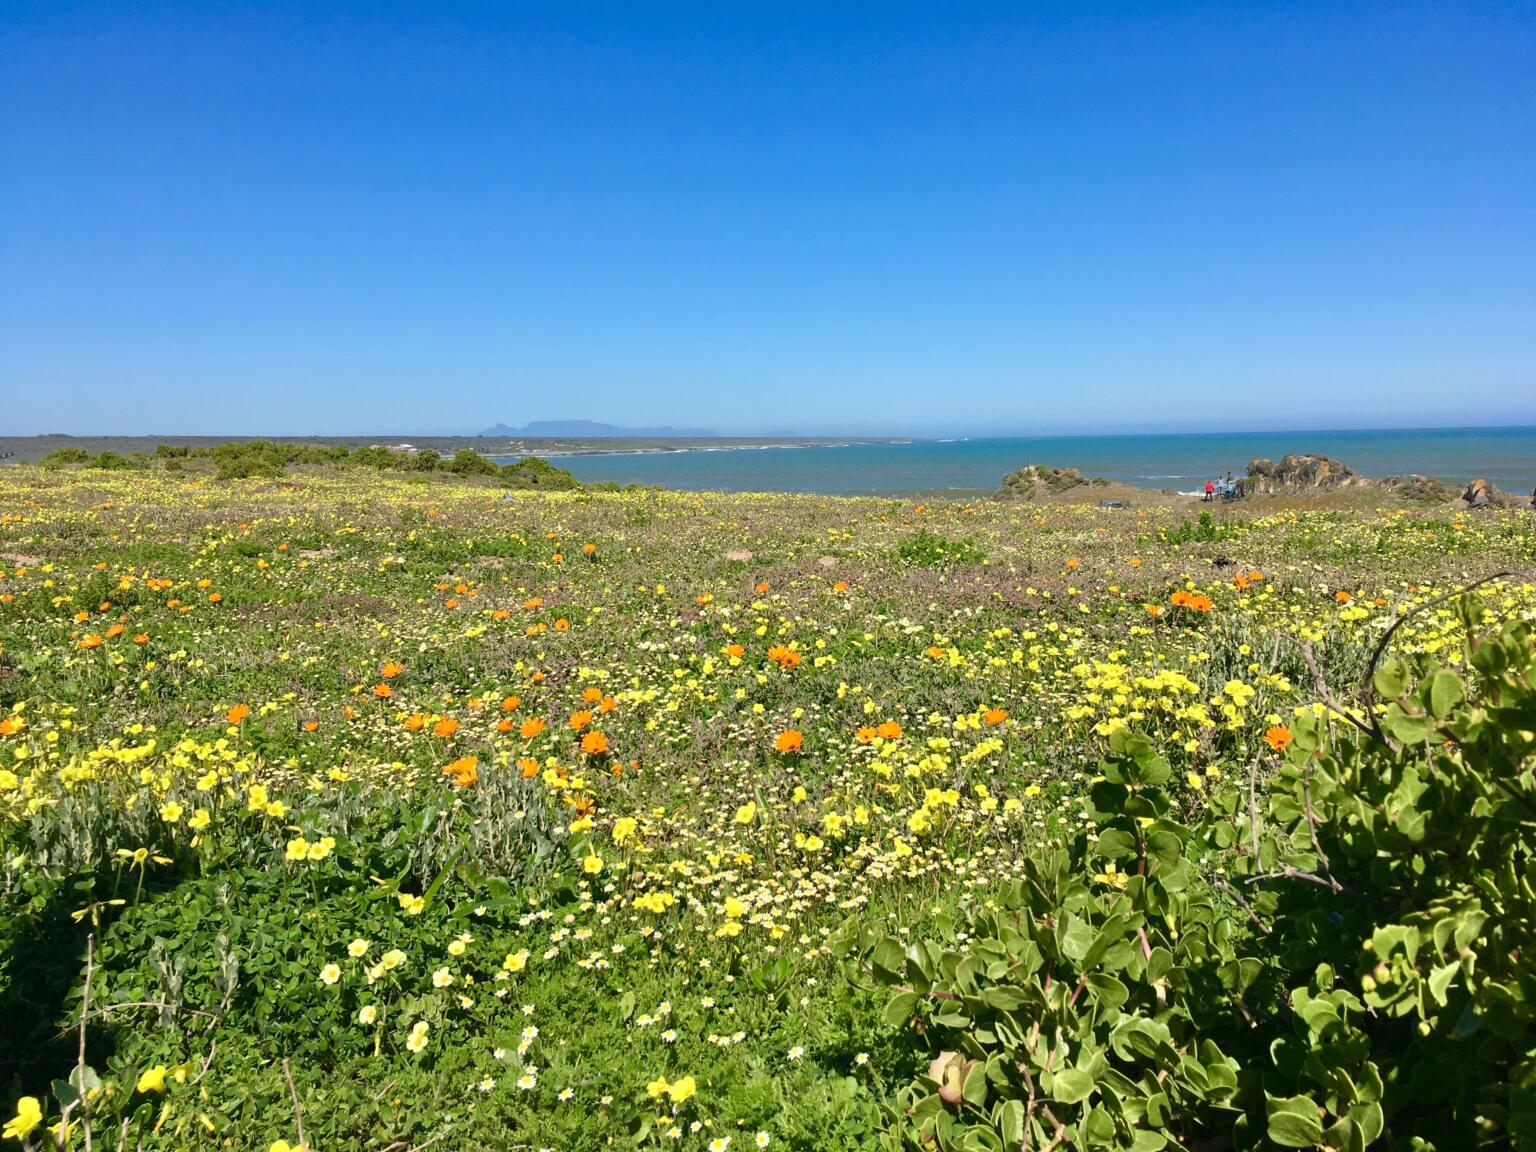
(348, 811)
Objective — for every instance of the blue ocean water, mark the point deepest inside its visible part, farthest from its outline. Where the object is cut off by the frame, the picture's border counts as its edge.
(1506, 457)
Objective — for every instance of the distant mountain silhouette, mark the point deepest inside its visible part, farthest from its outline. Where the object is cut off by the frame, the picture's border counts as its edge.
(589, 429)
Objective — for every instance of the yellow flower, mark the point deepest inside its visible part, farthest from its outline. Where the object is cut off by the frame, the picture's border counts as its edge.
(200, 820)
(592, 864)
(746, 813)
(516, 961)
(330, 974)
(657, 1087)
(734, 907)
(298, 849)
(357, 948)
(171, 812)
(681, 1090)
(411, 905)
(29, 1114)
(152, 1080)
(623, 828)
(417, 1040)
(321, 848)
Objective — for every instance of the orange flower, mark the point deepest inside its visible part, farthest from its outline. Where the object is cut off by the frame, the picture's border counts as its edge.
(500, 614)
(865, 735)
(533, 603)
(215, 597)
(10, 726)
(451, 602)
(391, 669)
(115, 631)
(1278, 738)
(1154, 609)
(763, 586)
(91, 641)
(529, 767)
(1200, 602)
(594, 743)
(238, 713)
(504, 724)
(789, 740)
(607, 704)
(141, 638)
(531, 728)
(580, 720)
(784, 656)
(1180, 599)
(890, 730)
(445, 727)
(994, 716)
(383, 691)
(734, 651)
(840, 586)
(416, 721)
(588, 549)
(465, 771)
(934, 652)
(1342, 596)
(562, 625)
(591, 695)
(1073, 563)
(311, 725)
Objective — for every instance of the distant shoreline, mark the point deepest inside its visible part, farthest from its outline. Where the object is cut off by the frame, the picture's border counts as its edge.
(30, 449)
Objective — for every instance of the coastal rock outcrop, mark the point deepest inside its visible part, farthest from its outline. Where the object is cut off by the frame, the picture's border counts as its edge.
(1481, 494)
(1299, 473)
(1035, 480)
(1419, 489)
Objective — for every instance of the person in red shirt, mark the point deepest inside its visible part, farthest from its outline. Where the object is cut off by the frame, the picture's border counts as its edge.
(1210, 489)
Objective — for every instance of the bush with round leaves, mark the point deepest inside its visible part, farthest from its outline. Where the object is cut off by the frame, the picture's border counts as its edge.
(1334, 950)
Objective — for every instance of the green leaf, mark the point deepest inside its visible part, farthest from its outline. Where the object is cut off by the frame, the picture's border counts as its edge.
(1009, 1119)
(1390, 678)
(898, 1012)
(1107, 990)
(1440, 980)
(1406, 728)
(1294, 1121)
(1004, 997)
(889, 961)
(1074, 937)
(1115, 844)
(1071, 1086)
(1443, 693)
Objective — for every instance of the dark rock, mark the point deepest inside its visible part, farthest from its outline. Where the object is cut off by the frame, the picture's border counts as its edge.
(1299, 473)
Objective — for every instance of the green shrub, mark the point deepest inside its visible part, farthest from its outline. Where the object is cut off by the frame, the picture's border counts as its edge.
(929, 550)
(468, 462)
(65, 458)
(533, 472)
(1339, 957)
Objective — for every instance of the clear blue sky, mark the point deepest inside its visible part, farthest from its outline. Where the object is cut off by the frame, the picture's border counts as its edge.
(287, 218)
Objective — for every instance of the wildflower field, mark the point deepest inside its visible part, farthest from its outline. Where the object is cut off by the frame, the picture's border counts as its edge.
(356, 811)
